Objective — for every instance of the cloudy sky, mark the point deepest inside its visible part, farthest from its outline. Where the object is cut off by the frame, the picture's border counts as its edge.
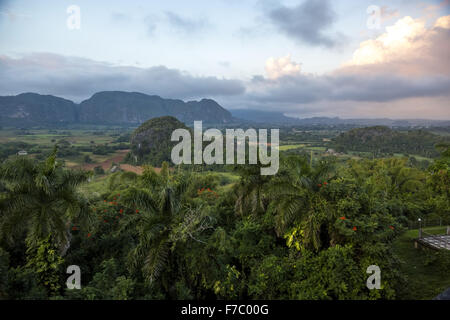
(346, 58)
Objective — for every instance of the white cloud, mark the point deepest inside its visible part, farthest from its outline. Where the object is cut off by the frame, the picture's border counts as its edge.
(406, 70)
(279, 67)
(408, 48)
(396, 41)
(443, 22)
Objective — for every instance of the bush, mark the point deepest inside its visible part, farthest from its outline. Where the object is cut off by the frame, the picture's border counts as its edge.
(99, 170)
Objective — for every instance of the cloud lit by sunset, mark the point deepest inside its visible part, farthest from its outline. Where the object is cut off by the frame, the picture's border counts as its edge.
(306, 59)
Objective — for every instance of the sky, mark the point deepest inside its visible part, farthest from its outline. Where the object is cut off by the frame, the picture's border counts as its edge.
(346, 58)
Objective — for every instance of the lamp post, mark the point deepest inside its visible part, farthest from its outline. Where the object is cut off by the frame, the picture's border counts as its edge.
(420, 227)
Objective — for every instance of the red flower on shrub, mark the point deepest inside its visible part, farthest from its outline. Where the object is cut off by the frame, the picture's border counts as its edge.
(325, 183)
(354, 229)
(137, 211)
(319, 185)
(88, 235)
(391, 227)
(342, 218)
(121, 210)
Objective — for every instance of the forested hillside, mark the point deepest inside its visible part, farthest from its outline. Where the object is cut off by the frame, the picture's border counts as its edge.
(383, 141)
(107, 108)
(151, 142)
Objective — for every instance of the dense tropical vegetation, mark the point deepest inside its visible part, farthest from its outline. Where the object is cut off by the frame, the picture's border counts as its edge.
(382, 141)
(309, 232)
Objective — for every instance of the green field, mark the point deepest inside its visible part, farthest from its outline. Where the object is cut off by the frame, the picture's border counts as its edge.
(426, 270)
(419, 158)
(45, 138)
(291, 146)
(42, 141)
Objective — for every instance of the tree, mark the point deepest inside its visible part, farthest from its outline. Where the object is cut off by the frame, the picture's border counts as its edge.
(162, 219)
(250, 191)
(87, 159)
(42, 200)
(296, 200)
(44, 260)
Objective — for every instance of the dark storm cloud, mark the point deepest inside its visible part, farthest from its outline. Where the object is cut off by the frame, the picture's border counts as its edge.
(303, 89)
(388, 87)
(77, 78)
(307, 22)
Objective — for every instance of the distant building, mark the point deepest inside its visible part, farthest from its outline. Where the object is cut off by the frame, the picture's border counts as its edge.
(114, 169)
(22, 153)
(332, 152)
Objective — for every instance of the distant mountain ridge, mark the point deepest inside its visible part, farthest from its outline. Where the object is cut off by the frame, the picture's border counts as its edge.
(29, 109)
(106, 108)
(275, 117)
(134, 108)
(257, 116)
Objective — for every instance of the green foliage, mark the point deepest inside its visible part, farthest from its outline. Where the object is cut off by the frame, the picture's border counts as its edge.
(382, 141)
(99, 170)
(10, 148)
(310, 232)
(23, 284)
(45, 261)
(151, 142)
(425, 270)
(41, 198)
(87, 159)
(108, 284)
(4, 270)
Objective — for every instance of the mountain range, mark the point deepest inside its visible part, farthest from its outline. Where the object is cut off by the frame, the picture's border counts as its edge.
(134, 108)
(273, 117)
(105, 108)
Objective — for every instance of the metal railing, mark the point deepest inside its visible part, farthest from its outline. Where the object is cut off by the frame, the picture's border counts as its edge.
(428, 223)
(438, 241)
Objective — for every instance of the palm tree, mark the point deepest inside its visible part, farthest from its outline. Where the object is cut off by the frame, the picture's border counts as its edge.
(400, 178)
(295, 198)
(250, 191)
(162, 220)
(41, 199)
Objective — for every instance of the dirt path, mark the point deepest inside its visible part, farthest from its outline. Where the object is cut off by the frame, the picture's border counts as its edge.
(129, 167)
(106, 165)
